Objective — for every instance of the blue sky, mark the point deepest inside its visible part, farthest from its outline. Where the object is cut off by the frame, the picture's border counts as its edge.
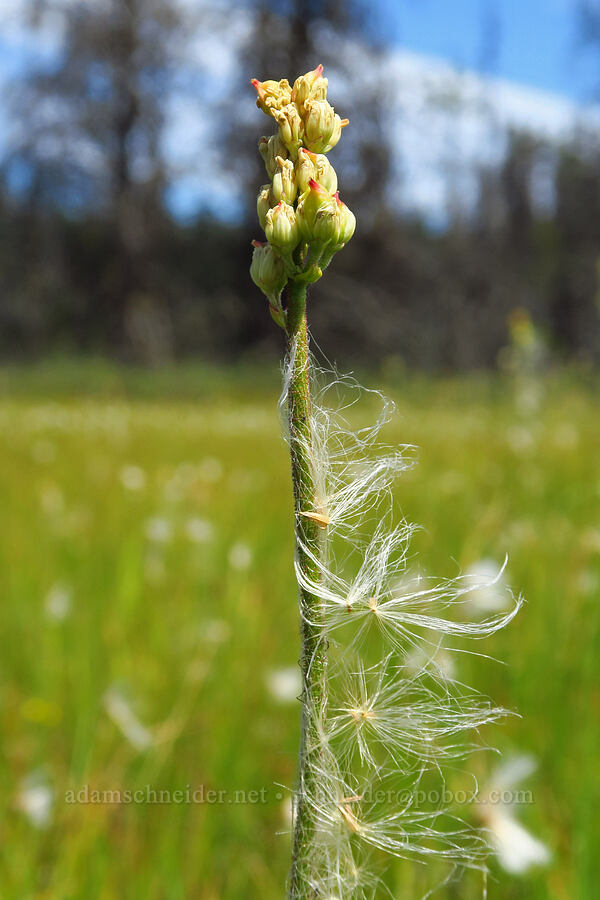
(533, 42)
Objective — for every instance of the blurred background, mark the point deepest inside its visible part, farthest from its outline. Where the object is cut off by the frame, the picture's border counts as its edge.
(128, 174)
(148, 634)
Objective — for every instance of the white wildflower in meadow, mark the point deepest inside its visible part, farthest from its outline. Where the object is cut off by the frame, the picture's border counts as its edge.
(240, 556)
(180, 482)
(52, 500)
(210, 470)
(590, 540)
(516, 849)
(245, 481)
(520, 439)
(528, 397)
(284, 684)
(588, 582)
(199, 531)
(121, 713)
(159, 530)
(35, 798)
(133, 478)
(154, 567)
(57, 603)
(566, 436)
(43, 451)
(215, 631)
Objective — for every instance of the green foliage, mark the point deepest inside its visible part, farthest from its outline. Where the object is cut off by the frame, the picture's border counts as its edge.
(104, 495)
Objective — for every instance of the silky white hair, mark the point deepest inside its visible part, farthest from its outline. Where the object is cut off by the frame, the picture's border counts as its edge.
(393, 716)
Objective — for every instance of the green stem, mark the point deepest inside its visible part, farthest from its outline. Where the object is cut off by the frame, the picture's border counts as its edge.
(313, 658)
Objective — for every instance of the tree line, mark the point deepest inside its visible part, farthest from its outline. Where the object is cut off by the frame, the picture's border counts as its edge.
(94, 259)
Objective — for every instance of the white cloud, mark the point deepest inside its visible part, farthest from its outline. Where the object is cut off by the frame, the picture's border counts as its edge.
(450, 121)
(446, 122)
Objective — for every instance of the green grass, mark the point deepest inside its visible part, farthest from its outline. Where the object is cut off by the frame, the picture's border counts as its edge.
(189, 638)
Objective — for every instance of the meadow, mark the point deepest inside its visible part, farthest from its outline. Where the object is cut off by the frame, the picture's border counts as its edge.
(149, 628)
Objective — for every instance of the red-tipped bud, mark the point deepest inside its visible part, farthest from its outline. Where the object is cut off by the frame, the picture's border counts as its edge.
(315, 186)
(347, 220)
(272, 95)
(267, 270)
(312, 201)
(281, 228)
(311, 86)
(322, 126)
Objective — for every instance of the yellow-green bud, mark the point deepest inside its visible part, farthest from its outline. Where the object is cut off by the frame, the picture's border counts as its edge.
(305, 169)
(314, 199)
(326, 227)
(281, 228)
(267, 270)
(347, 221)
(272, 95)
(316, 166)
(270, 148)
(284, 181)
(322, 126)
(345, 225)
(311, 86)
(264, 202)
(291, 129)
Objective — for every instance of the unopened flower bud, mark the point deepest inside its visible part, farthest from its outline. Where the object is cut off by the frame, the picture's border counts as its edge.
(267, 270)
(272, 95)
(305, 169)
(264, 202)
(316, 166)
(281, 228)
(291, 128)
(326, 227)
(270, 148)
(311, 86)
(347, 221)
(284, 181)
(322, 126)
(345, 224)
(314, 199)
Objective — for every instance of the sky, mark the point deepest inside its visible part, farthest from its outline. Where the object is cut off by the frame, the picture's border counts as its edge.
(528, 52)
(531, 42)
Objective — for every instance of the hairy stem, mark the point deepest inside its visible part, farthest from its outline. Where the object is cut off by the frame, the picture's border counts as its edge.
(313, 658)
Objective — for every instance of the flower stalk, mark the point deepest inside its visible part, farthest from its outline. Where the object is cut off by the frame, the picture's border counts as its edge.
(305, 224)
(363, 725)
(313, 659)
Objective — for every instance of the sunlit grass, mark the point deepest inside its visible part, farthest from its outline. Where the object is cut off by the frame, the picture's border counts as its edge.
(145, 545)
